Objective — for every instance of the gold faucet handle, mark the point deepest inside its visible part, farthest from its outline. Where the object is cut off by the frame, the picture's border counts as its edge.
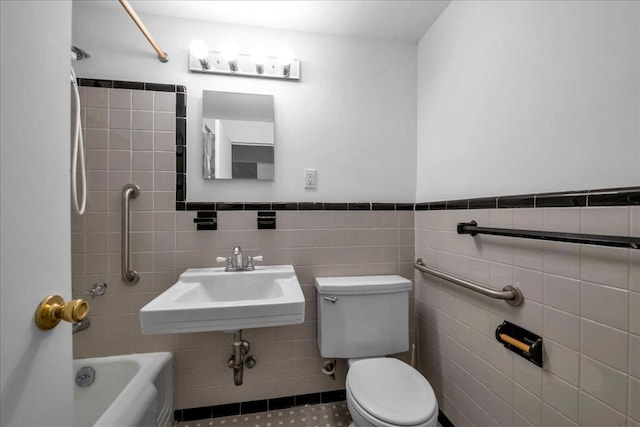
(53, 309)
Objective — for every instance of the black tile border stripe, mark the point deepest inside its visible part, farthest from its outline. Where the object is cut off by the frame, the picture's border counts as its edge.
(457, 204)
(181, 159)
(405, 206)
(160, 87)
(567, 199)
(257, 206)
(437, 206)
(629, 196)
(117, 84)
(336, 206)
(614, 197)
(124, 84)
(509, 202)
(483, 203)
(383, 206)
(310, 206)
(286, 206)
(99, 83)
(251, 407)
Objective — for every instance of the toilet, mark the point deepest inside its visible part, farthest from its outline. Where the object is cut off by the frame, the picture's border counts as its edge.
(363, 319)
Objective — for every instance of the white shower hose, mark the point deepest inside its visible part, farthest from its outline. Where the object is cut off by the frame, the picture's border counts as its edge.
(78, 148)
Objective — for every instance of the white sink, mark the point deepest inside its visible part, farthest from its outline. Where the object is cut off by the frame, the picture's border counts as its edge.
(210, 299)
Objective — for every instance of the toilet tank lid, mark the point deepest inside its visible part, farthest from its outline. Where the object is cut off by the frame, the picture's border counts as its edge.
(359, 285)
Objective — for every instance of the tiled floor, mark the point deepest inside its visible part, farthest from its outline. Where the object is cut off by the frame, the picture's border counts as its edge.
(322, 415)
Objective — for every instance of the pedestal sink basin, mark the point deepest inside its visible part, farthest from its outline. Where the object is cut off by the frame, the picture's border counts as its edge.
(210, 299)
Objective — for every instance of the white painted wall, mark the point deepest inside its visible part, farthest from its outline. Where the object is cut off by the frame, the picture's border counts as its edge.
(352, 117)
(36, 376)
(528, 96)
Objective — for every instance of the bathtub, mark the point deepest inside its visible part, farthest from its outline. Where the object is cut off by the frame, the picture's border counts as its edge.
(128, 390)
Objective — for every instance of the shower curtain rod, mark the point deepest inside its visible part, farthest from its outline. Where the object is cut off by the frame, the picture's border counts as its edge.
(162, 56)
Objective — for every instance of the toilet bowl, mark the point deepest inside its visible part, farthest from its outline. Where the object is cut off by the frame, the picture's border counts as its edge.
(386, 392)
(363, 318)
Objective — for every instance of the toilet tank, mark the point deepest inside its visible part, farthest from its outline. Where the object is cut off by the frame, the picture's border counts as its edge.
(362, 316)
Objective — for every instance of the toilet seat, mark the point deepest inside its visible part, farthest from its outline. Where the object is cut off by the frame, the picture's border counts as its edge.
(361, 418)
(388, 392)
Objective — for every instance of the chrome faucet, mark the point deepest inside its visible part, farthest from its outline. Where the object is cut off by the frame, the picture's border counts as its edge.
(236, 261)
(81, 325)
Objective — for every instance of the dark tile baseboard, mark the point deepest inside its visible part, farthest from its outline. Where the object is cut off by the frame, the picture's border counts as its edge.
(443, 420)
(254, 406)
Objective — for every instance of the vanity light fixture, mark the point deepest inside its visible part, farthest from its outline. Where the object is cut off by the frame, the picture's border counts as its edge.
(230, 54)
(200, 51)
(259, 57)
(285, 57)
(228, 61)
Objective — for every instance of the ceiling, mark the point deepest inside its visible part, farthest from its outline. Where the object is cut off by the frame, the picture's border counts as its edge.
(401, 20)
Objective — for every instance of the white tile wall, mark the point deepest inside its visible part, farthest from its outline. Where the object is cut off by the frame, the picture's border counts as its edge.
(606, 344)
(560, 395)
(604, 383)
(552, 418)
(562, 293)
(605, 304)
(165, 242)
(594, 413)
(583, 300)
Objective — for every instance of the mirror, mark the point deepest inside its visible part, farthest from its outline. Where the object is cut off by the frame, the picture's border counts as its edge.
(238, 135)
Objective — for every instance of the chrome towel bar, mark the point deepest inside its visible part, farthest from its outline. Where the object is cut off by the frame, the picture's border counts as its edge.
(129, 191)
(510, 294)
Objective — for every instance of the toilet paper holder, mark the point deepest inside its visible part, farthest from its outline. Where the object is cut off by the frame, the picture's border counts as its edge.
(524, 343)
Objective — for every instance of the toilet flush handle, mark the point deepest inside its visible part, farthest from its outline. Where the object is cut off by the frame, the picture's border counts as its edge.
(331, 299)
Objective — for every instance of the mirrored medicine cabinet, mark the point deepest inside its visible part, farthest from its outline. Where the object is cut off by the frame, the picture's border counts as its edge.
(238, 137)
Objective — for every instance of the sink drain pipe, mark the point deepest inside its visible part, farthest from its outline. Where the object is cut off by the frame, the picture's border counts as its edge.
(239, 359)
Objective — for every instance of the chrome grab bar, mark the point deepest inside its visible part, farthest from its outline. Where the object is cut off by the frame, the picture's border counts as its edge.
(129, 191)
(510, 294)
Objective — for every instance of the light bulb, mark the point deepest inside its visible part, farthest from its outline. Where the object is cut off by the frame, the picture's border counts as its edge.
(199, 49)
(285, 56)
(259, 58)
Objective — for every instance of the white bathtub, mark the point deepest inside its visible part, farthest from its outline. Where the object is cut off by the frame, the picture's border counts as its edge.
(129, 390)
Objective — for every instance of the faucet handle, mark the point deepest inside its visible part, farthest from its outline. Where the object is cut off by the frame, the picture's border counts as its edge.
(97, 289)
(250, 260)
(228, 260)
(225, 259)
